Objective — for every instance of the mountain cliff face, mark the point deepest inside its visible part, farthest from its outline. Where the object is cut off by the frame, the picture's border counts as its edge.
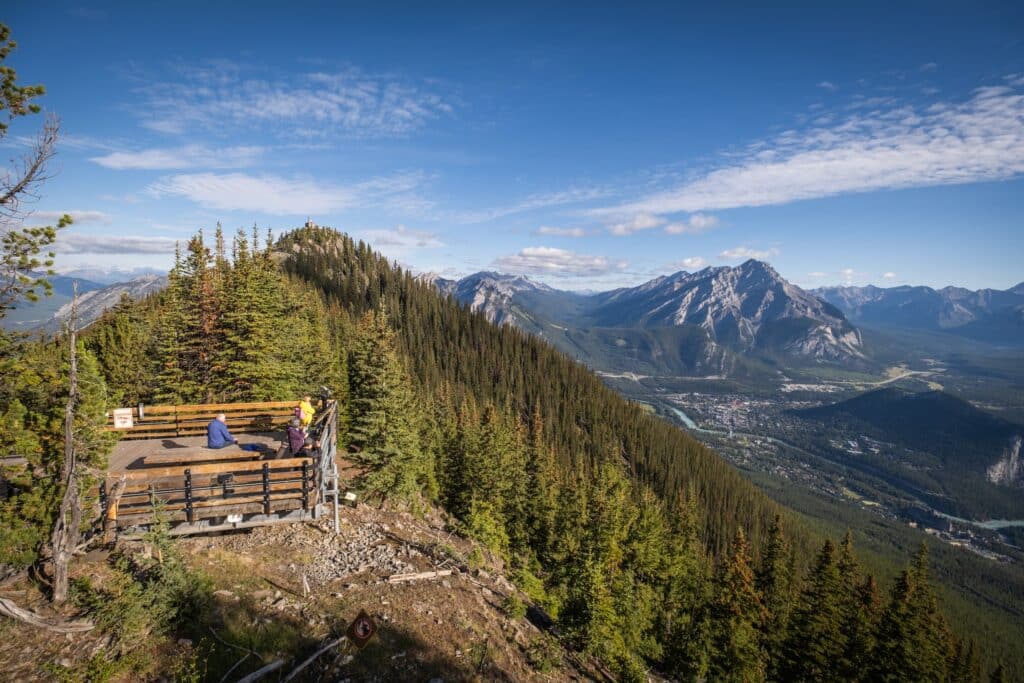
(494, 295)
(1009, 469)
(746, 309)
(986, 314)
(92, 303)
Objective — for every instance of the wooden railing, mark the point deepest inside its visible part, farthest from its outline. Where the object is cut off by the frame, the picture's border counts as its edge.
(191, 492)
(199, 489)
(155, 422)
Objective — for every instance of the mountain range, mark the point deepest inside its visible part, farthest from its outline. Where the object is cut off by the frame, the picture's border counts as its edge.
(704, 322)
(93, 298)
(990, 315)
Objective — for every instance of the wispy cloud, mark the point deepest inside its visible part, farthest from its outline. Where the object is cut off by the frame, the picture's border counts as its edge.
(223, 95)
(694, 225)
(560, 232)
(283, 196)
(640, 221)
(174, 158)
(828, 85)
(744, 253)
(78, 215)
(75, 243)
(889, 276)
(557, 262)
(881, 145)
(543, 200)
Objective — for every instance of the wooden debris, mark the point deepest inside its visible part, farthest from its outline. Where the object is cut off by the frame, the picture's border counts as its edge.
(312, 658)
(260, 673)
(402, 578)
(9, 609)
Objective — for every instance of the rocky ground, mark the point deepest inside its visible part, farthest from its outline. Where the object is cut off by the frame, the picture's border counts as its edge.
(281, 592)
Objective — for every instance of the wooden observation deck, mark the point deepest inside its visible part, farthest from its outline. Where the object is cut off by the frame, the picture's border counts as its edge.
(161, 469)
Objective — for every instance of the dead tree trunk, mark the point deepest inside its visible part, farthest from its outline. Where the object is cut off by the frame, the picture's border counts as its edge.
(69, 519)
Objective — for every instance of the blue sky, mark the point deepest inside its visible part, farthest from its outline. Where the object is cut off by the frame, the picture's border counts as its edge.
(592, 148)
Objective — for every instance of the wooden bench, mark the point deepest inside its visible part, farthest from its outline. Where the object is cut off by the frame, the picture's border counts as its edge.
(190, 456)
(162, 421)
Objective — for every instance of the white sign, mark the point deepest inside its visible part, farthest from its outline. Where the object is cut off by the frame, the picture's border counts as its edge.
(122, 418)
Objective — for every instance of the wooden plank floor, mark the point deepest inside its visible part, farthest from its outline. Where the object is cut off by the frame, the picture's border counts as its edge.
(129, 455)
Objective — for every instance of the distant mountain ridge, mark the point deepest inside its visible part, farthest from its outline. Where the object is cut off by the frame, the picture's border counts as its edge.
(968, 449)
(694, 321)
(991, 315)
(50, 313)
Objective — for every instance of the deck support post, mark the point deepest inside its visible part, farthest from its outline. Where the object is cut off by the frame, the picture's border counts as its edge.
(266, 488)
(189, 512)
(305, 486)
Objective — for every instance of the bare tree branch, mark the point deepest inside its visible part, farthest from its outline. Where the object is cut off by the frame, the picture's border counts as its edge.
(19, 184)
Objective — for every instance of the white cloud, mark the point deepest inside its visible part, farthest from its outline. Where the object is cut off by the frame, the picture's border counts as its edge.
(189, 156)
(828, 85)
(641, 221)
(880, 145)
(889, 276)
(283, 196)
(560, 232)
(848, 274)
(223, 95)
(691, 263)
(558, 262)
(79, 216)
(694, 225)
(75, 243)
(744, 253)
(817, 274)
(402, 237)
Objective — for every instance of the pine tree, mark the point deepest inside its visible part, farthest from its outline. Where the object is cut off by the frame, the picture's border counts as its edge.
(913, 642)
(775, 583)
(541, 477)
(685, 621)
(383, 434)
(737, 616)
(815, 644)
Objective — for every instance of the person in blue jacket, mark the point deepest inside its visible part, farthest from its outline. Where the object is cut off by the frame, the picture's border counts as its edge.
(217, 434)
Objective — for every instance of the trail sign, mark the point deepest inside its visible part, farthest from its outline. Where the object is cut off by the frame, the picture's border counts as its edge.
(122, 418)
(361, 630)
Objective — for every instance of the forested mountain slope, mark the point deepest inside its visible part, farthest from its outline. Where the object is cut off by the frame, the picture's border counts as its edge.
(647, 550)
(584, 420)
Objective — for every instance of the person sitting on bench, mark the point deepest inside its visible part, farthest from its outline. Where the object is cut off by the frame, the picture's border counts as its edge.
(296, 436)
(217, 434)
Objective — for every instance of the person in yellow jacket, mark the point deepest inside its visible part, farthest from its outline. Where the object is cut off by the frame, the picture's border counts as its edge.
(306, 411)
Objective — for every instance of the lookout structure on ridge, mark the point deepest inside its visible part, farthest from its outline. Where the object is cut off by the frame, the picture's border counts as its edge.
(161, 469)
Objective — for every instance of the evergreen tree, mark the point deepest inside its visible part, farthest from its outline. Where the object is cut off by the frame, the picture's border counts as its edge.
(775, 584)
(913, 642)
(816, 643)
(541, 483)
(383, 434)
(737, 616)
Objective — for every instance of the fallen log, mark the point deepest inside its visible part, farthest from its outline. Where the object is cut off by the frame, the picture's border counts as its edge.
(312, 658)
(260, 673)
(9, 609)
(402, 578)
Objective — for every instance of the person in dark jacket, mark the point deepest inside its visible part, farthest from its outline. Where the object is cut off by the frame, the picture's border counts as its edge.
(296, 436)
(217, 434)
